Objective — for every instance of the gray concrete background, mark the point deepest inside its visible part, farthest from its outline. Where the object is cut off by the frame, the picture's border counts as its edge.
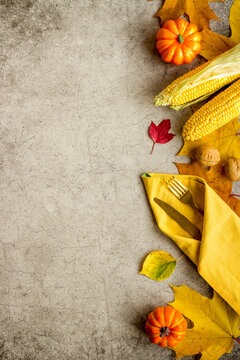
(77, 83)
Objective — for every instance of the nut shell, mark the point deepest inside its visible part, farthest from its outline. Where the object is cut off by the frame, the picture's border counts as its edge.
(232, 169)
(207, 155)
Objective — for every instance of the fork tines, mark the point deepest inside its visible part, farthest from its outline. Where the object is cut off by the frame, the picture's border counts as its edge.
(177, 188)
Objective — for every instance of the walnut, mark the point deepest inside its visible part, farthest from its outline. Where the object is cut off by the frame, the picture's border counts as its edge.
(207, 155)
(232, 169)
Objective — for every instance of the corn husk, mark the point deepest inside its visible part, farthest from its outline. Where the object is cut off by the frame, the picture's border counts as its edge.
(225, 65)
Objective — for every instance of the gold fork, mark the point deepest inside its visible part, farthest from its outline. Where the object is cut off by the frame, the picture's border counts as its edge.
(182, 193)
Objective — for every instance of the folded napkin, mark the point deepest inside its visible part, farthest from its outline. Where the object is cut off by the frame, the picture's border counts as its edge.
(217, 254)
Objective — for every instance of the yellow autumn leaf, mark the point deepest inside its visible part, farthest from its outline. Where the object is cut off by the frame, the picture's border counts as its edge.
(226, 139)
(216, 324)
(213, 43)
(199, 11)
(158, 265)
(234, 19)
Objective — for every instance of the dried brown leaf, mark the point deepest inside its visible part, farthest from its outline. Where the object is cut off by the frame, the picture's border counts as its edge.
(199, 11)
(215, 178)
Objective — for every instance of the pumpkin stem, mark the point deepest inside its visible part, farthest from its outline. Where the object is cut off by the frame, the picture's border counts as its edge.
(180, 39)
(164, 331)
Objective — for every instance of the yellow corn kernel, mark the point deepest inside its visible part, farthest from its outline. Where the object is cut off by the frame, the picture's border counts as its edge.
(170, 87)
(202, 89)
(221, 109)
(159, 99)
(200, 83)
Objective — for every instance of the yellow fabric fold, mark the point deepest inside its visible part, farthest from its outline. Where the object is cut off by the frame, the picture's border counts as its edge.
(217, 255)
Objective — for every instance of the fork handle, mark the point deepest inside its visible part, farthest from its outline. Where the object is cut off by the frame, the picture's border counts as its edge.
(198, 208)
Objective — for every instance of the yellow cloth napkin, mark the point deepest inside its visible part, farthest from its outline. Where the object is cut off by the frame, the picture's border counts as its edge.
(217, 254)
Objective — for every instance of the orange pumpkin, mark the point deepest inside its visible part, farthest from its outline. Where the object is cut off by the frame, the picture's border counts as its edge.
(178, 41)
(166, 326)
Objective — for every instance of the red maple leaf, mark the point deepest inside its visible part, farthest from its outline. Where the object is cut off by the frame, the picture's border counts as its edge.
(160, 133)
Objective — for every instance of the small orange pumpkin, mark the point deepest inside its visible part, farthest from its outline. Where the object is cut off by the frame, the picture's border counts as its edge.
(166, 326)
(178, 41)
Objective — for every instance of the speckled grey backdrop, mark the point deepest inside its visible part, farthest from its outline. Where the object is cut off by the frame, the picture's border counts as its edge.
(77, 83)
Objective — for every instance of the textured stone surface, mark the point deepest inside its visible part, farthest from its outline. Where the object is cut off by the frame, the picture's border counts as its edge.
(77, 83)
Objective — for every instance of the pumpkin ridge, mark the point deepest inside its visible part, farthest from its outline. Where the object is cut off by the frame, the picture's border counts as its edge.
(171, 319)
(172, 26)
(176, 49)
(157, 341)
(178, 332)
(171, 31)
(186, 50)
(164, 33)
(178, 323)
(163, 317)
(176, 342)
(179, 23)
(167, 46)
(154, 327)
(166, 339)
(185, 31)
(160, 340)
(190, 29)
(156, 320)
(154, 335)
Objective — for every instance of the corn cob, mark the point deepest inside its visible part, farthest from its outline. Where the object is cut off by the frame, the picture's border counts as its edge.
(200, 83)
(221, 109)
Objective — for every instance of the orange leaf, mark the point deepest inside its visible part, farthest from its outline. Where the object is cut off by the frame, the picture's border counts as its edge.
(215, 178)
(199, 11)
